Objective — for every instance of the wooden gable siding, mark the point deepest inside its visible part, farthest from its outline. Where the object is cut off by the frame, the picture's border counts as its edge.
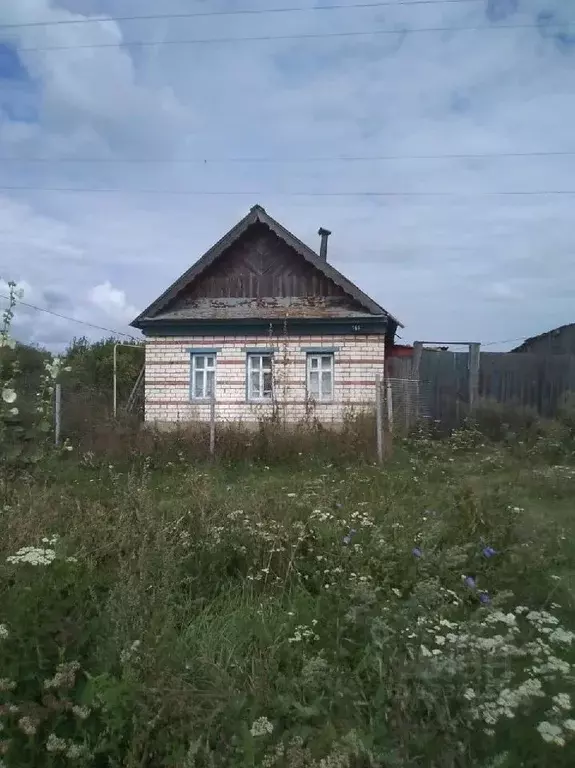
(259, 265)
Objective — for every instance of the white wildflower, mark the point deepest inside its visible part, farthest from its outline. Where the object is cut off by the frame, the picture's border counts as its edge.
(127, 653)
(261, 727)
(569, 725)
(562, 700)
(65, 676)
(469, 694)
(9, 395)
(75, 751)
(446, 622)
(32, 555)
(554, 666)
(425, 651)
(4, 632)
(552, 734)
(531, 687)
(28, 725)
(83, 713)
(55, 744)
(562, 636)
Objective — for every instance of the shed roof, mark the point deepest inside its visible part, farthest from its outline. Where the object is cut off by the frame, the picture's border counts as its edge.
(257, 214)
(553, 332)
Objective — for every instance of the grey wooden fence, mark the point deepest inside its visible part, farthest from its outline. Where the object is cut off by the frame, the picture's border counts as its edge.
(535, 381)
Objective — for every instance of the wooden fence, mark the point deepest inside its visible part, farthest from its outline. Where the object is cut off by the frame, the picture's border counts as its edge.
(536, 381)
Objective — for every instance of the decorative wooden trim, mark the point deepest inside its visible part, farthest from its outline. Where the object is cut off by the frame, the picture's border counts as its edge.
(320, 350)
(266, 328)
(302, 338)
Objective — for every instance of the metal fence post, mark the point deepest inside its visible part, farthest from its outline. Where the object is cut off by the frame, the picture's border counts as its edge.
(389, 403)
(213, 424)
(57, 414)
(379, 416)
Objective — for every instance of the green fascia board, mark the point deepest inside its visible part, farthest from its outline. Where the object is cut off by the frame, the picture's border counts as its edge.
(273, 328)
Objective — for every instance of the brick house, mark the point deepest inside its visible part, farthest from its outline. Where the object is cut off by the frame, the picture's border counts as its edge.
(264, 326)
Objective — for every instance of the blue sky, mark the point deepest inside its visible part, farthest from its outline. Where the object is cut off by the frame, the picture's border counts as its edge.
(468, 265)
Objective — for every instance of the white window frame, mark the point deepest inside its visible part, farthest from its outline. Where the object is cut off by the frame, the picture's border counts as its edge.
(196, 357)
(251, 359)
(321, 397)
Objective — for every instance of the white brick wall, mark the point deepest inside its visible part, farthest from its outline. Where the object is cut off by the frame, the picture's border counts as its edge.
(357, 360)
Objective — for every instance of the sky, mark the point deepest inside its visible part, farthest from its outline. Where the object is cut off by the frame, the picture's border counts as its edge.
(121, 164)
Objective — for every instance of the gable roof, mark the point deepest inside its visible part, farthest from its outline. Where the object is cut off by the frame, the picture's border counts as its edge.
(258, 214)
(553, 332)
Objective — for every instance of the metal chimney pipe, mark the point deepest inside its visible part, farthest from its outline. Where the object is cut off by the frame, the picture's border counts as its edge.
(324, 234)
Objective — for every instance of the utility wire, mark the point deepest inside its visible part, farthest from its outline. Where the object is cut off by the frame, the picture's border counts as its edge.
(261, 38)
(245, 193)
(238, 12)
(71, 319)
(278, 160)
(121, 333)
(503, 341)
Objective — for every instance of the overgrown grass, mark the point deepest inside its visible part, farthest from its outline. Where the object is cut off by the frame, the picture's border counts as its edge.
(298, 614)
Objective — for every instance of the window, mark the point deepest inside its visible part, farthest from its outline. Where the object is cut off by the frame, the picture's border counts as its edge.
(320, 376)
(203, 376)
(260, 383)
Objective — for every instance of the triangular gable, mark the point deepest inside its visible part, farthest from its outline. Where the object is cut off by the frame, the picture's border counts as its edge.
(258, 214)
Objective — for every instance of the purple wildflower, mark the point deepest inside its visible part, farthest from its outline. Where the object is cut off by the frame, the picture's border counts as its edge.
(489, 552)
(484, 598)
(347, 539)
(469, 581)
(416, 552)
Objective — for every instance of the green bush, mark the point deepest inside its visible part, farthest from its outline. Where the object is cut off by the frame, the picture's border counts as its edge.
(504, 421)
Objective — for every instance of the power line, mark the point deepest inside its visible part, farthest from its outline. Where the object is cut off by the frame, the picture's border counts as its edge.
(503, 341)
(71, 319)
(278, 160)
(260, 193)
(238, 12)
(261, 38)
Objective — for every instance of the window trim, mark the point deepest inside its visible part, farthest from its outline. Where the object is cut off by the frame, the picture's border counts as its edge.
(194, 354)
(249, 356)
(317, 353)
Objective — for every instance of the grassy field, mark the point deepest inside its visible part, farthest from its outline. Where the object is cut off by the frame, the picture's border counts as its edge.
(162, 612)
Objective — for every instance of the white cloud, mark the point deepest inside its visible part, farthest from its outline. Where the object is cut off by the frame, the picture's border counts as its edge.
(112, 301)
(471, 264)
